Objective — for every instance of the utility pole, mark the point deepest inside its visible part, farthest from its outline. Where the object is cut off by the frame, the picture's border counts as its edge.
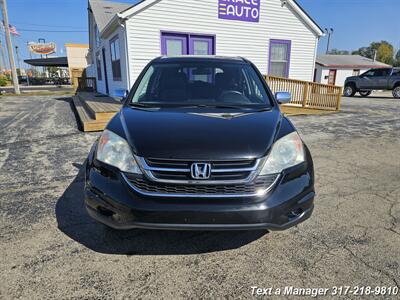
(329, 33)
(18, 59)
(2, 62)
(10, 48)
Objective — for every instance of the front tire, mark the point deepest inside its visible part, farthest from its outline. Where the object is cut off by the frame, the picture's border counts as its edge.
(349, 90)
(365, 93)
(396, 92)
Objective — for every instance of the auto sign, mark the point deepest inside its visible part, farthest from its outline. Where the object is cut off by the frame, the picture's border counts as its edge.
(241, 10)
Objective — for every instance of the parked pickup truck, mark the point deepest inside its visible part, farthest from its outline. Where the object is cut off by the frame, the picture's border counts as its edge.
(374, 79)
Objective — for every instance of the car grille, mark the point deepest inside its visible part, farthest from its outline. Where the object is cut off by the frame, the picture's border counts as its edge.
(257, 187)
(179, 170)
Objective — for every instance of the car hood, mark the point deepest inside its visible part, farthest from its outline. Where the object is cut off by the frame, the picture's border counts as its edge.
(199, 134)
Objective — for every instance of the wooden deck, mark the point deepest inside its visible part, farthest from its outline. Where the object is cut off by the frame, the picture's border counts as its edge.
(297, 111)
(309, 95)
(94, 110)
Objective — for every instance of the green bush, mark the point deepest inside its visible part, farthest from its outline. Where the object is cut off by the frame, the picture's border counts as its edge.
(3, 80)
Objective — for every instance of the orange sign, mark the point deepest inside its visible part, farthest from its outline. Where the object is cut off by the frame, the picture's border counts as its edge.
(42, 48)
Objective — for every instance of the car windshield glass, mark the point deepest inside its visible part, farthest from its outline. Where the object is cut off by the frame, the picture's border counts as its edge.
(201, 83)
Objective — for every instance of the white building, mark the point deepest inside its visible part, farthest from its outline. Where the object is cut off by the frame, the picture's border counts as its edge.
(334, 69)
(77, 56)
(276, 35)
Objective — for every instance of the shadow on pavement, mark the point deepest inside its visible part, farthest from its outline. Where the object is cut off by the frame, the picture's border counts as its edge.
(374, 97)
(74, 221)
(73, 109)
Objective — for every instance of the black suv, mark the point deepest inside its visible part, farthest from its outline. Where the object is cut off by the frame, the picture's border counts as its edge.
(200, 144)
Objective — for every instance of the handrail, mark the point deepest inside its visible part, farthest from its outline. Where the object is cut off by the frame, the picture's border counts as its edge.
(87, 84)
(307, 94)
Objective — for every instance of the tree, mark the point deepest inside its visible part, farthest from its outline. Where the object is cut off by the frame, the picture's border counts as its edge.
(364, 51)
(53, 71)
(384, 52)
(339, 52)
(397, 59)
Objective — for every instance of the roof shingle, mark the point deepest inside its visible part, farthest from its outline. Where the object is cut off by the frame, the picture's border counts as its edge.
(104, 11)
(348, 61)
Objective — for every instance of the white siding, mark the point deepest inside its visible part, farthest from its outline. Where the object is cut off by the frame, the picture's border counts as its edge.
(113, 86)
(233, 38)
(341, 74)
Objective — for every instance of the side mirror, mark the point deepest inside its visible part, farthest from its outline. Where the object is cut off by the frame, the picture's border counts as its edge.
(121, 95)
(283, 97)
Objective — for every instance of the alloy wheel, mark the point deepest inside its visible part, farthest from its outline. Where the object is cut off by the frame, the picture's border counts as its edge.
(396, 92)
(348, 91)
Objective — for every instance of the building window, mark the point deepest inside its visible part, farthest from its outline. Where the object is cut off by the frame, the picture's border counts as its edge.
(98, 66)
(115, 58)
(279, 58)
(356, 72)
(186, 43)
(97, 36)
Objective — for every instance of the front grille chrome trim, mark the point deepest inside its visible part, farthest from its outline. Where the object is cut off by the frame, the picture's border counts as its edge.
(149, 168)
(148, 172)
(259, 193)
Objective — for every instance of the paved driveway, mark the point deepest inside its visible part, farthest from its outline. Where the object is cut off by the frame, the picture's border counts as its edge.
(51, 249)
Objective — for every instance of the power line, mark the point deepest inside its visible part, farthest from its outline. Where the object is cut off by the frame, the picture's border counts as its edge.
(55, 26)
(40, 30)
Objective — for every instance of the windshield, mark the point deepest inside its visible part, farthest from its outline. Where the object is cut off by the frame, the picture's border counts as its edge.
(201, 83)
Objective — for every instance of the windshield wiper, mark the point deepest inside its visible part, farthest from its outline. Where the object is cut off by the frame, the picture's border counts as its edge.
(233, 106)
(139, 104)
(144, 106)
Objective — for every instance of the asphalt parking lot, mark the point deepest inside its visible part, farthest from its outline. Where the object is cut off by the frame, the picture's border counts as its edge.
(51, 249)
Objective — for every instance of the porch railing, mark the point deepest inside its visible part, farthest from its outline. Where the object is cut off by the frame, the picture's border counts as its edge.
(87, 84)
(307, 94)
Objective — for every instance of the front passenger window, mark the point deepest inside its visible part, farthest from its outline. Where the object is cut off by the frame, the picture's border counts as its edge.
(369, 73)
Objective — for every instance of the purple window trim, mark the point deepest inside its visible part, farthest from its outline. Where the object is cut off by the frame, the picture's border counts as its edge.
(187, 39)
(277, 42)
(209, 39)
(173, 36)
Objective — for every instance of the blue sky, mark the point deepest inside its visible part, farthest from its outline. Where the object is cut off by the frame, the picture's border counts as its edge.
(356, 22)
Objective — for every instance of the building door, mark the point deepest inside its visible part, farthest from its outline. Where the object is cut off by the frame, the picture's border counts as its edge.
(184, 43)
(315, 75)
(103, 51)
(332, 77)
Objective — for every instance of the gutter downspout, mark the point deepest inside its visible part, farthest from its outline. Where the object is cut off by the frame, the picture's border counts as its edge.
(314, 60)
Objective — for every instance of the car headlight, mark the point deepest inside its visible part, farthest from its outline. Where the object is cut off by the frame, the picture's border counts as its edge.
(115, 151)
(286, 152)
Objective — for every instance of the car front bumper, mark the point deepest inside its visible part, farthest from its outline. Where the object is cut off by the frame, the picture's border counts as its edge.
(111, 200)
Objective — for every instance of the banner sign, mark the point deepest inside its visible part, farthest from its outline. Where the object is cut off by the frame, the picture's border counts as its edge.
(42, 48)
(241, 10)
